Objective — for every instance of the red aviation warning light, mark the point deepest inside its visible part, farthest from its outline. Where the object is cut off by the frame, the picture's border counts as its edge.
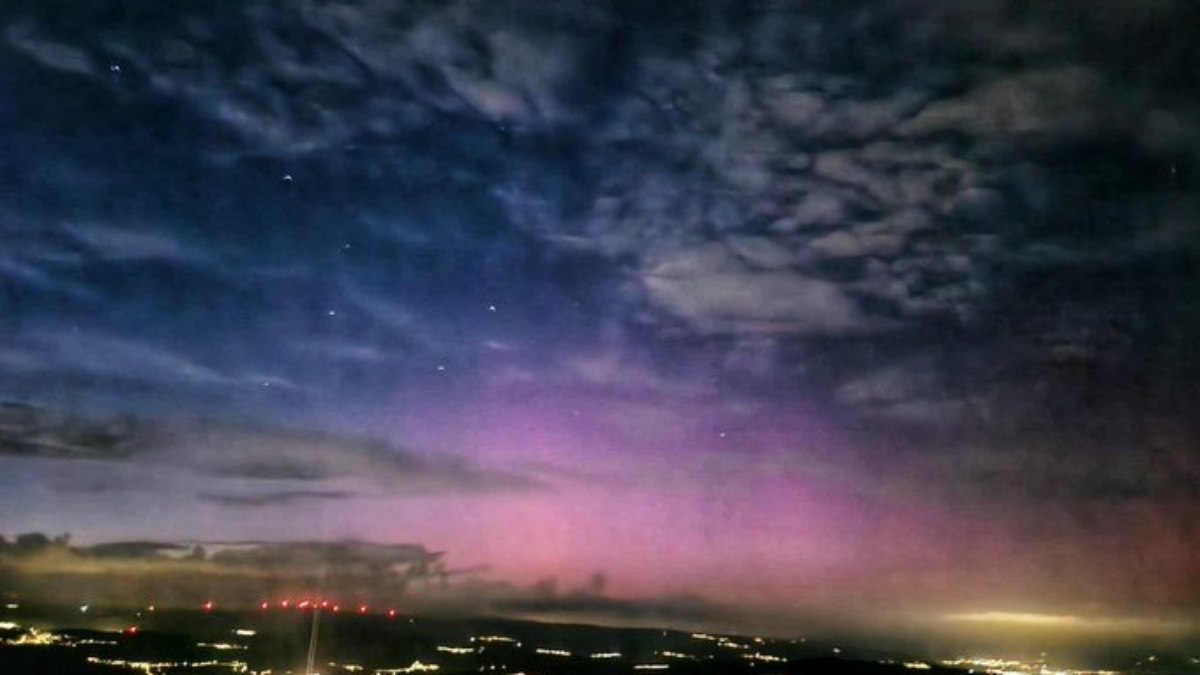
(362, 609)
(391, 613)
(264, 605)
(208, 606)
(132, 630)
(304, 604)
(285, 604)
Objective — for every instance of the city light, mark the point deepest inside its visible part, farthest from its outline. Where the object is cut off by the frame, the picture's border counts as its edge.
(456, 650)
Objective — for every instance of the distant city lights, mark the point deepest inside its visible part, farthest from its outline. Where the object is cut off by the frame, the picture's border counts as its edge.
(481, 645)
(455, 650)
(416, 667)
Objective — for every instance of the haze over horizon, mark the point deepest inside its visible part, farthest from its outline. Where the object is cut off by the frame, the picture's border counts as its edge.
(799, 309)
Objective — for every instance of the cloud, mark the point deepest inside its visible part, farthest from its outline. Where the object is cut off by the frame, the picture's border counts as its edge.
(267, 454)
(33, 432)
(613, 369)
(880, 239)
(711, 290)
(259, 465)
(904, 189)
(756, 303)
(127, 244)
(274, 498)
(1060, 103)
(33, 277)
(237, 574)
(346, 351)
(51, 54)
(321, 74)
(232, 574)
(395, 319)
(118, 357)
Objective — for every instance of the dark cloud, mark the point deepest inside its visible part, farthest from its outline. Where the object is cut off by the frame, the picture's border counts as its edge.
(236, 574)
(33, 432)
(231, 573)
(135, 549)
(273, 454)
(274, 498)
(259, 459)
(341, 557)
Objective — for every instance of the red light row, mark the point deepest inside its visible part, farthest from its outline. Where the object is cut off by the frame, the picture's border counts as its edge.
(307, 604)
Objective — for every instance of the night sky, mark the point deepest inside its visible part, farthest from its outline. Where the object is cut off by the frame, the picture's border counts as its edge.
(799, 307)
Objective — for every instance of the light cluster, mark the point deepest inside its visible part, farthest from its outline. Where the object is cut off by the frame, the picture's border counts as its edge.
(999, 666)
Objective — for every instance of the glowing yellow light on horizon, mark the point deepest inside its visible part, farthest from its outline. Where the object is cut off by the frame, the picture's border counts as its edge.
(1070, 622)
(1016, 617)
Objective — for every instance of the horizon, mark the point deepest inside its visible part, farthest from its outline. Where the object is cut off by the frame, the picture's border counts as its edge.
(875, 317)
